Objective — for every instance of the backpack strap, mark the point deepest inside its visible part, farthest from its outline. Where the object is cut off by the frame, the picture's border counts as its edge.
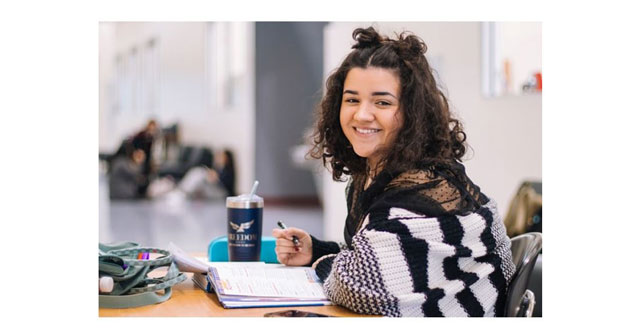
(136, 300)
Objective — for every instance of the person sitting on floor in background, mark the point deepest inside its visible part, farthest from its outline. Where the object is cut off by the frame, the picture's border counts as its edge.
(144, 140)
(216, 182)
(224, 172)
(421, 238)
(126, 176)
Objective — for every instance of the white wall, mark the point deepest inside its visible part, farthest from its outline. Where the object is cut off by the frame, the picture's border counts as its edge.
(107, 37)
(184, 89)
(520, 42)
(505, 133)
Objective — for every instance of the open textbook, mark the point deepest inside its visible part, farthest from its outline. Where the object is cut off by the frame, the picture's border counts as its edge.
(266, 286)
(253, 284)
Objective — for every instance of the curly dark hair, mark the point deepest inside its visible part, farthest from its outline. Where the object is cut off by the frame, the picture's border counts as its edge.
(429, 134)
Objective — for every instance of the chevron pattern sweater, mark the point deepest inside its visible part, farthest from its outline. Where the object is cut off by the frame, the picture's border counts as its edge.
(402, 262)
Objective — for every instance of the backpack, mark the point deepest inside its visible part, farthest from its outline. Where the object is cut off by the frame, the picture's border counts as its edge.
(132, 287)
(525, 212)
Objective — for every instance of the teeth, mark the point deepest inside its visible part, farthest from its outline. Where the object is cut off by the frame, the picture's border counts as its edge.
(366, 131)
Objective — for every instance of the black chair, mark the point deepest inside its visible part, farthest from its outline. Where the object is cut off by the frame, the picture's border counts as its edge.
(525, 249)
(189, 157)
(536, 285)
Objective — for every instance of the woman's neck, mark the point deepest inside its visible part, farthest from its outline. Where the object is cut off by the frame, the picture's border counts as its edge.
(368, 180)
(373, 166)
(372, 170)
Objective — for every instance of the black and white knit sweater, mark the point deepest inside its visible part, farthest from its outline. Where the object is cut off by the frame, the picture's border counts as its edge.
(428, 244)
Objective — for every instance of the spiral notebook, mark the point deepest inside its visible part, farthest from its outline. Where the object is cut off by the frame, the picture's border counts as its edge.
(265, 285)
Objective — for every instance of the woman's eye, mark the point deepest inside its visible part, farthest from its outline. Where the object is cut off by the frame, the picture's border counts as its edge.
(383, 103)
(351, 100)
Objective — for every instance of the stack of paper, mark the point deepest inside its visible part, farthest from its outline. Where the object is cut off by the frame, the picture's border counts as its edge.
(253, 284)
(266, 285)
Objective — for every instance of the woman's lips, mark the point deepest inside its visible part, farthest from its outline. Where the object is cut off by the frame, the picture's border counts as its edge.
(365, 131)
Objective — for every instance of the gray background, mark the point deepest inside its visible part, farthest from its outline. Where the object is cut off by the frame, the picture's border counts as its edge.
(289, 75)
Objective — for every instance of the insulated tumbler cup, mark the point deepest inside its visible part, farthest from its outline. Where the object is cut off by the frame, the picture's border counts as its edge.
(244, 215)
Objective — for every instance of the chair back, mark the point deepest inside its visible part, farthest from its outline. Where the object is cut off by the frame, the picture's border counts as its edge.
(525, 250)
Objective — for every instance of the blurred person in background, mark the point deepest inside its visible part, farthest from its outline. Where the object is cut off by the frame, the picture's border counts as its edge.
(216, 182)
(144, 140)
(223, 172)
(126, 175)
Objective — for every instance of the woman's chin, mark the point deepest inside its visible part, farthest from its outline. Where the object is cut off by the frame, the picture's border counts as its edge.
(363, 153)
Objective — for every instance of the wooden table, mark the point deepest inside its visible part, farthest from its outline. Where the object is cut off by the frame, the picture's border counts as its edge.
(188, 300)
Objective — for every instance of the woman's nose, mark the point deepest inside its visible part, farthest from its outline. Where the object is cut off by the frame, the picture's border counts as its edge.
(364, 113)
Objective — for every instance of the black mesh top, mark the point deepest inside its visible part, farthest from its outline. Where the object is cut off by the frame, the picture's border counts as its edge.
(432, 190)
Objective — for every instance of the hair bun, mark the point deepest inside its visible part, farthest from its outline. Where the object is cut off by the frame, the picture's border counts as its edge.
(366, 38)
(415, 45)
(410, 46)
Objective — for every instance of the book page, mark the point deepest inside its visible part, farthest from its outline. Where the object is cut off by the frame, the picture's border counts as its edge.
(190, 264)
(267, 281)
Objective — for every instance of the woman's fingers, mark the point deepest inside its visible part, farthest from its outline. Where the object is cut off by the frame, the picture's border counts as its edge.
(286, 243)
(299, 233)
(284, 238)
(283, 258)
(287, 252)
(289, 233)
(283, 242)
(279, 233)
(287, 249)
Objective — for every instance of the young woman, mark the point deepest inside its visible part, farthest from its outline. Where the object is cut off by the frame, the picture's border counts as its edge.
(421, 239)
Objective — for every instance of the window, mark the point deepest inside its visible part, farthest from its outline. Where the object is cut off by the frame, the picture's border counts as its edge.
(227, 59)
(511, 58)
(137, 80)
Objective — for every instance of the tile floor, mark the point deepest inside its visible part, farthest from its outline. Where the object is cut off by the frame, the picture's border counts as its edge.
(190, 224)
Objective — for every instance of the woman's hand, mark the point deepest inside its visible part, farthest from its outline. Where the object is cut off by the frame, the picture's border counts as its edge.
(287, 252)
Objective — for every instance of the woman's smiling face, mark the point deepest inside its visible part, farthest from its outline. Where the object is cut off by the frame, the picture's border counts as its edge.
(370, 111)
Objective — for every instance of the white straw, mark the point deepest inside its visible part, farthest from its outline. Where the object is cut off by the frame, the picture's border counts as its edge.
(253, 190)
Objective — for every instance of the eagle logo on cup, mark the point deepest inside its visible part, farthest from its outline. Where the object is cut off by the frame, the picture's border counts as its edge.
(241, 227)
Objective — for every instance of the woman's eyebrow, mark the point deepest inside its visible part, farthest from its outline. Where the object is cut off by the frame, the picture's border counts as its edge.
(347, 91)
(383, 93)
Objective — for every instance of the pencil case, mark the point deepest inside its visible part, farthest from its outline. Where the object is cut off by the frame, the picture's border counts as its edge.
(219, 250)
